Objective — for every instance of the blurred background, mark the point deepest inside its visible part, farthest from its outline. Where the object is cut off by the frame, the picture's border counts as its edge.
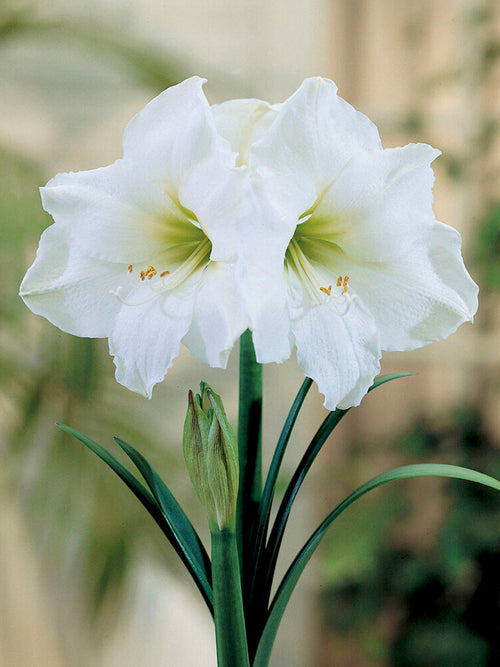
(408, 577)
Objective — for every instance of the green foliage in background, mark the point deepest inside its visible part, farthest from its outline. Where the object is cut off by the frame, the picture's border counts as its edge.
(414, 606)
(488, 248)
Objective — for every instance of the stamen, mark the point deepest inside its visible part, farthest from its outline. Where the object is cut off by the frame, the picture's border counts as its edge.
(148, 273)
(337, 299)
(199, 258)
(130, 268)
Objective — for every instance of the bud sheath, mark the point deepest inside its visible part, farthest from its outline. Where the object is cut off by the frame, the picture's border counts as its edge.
(211, 454)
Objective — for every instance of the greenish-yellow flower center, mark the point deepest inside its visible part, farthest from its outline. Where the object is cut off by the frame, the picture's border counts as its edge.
(183, 249)
(313, 254)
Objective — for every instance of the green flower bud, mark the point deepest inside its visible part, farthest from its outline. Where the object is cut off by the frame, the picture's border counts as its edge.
(211, 454)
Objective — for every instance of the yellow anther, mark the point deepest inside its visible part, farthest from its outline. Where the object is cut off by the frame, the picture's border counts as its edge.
(339, 281)
(130, 268)
(164, 273)
(148, 273)
(345, 285)
(326, 290)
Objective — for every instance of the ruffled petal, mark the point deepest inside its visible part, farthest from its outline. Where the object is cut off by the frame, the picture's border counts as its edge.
(380, 206)
(214, 193)
(113, 213)
(173, 133)
(340, 353)
(272, 205)
(71, 290)
(218, 316)
(272, 334)
(242, 123)
(146, 338)
(315, 133)
(420, 298)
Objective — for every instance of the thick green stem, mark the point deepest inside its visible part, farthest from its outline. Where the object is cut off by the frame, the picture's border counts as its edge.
(232, 650)
(249, 445)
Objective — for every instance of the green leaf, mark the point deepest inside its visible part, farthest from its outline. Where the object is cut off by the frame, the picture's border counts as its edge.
(175, 516)
(279, 452)
(268, 565)
(382, 379)
(152, 506)
(292, 576)
(265, 505)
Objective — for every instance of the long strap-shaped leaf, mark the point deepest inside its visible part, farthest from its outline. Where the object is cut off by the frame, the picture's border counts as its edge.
(270, 559)
(272, 475)
(173, 512)
(291, 578)
(183, 548)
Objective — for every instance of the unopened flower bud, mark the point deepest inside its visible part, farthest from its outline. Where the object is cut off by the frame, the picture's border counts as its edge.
(211, 454)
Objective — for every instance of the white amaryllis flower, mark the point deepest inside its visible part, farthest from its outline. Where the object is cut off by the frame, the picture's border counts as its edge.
(343, 257)
(142, 251)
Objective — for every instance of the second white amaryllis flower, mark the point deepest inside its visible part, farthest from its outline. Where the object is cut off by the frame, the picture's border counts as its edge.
(142, 251)
(343, 255)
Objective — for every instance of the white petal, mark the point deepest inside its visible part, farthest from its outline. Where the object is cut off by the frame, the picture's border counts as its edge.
(214, 193)
(315, 133)
(173, 133)
(218, 316)
(242, 122)
(381, 204)
(72, 291)
(113, 213)
(340, 353)
(146, 338)
(420, 298)
(272, 334)
(272, 205)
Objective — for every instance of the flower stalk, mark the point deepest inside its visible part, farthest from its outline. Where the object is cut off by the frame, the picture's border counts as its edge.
(230, 630)
(249, 448)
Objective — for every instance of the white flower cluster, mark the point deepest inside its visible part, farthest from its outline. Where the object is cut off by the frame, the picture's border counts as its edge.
(290, 220)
